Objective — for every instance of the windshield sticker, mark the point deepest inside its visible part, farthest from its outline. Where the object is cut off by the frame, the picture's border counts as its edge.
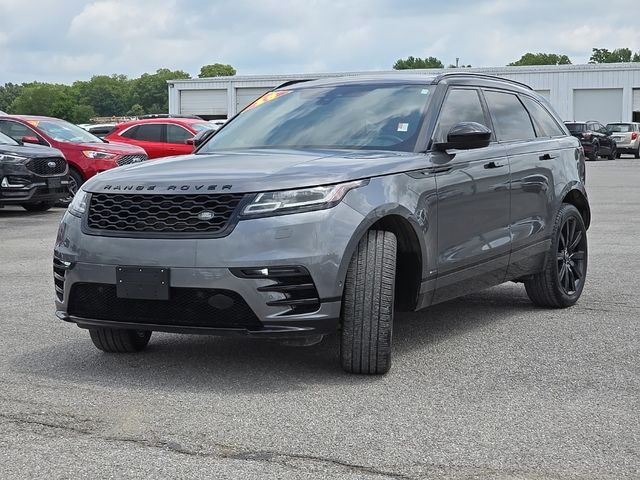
(33, 122)
(267, 98)
(424, 91)
(403, 127)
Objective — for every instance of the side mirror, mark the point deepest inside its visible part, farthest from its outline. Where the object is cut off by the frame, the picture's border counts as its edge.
(466, 136)
(190, 141)
(28, 139)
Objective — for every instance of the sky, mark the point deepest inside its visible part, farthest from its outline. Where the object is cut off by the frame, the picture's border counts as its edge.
(66, 40)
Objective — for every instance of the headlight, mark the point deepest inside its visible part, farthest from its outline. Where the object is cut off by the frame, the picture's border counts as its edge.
(302, 200)
(79, 203)
(4, 157)
(97, 155)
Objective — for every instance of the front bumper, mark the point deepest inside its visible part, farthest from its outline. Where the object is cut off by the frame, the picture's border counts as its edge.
(209, 265)
(19, 186)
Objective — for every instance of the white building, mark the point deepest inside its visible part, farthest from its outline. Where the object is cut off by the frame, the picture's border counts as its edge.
(605, 92)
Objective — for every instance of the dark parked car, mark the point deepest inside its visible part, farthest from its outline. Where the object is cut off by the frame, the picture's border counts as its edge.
(326, 207)
(596, 139)
(33, 177)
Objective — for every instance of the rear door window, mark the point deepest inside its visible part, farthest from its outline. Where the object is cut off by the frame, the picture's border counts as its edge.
(544, 123)
(510, 118)
(150, 132)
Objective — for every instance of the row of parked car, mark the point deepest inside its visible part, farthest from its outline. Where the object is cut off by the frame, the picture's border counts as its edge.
(43, 160)
(609, 141)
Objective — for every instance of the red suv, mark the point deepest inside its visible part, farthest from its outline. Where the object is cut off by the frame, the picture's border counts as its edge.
(160, 137)
(85, 153)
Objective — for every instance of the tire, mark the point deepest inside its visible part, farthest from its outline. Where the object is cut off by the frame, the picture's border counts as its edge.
(75, 181)
(367, 305)
(593, 156)
(119, 340)
(614, 153)
(37, 207)
(637, 153)
(618, 154)
(560, 283)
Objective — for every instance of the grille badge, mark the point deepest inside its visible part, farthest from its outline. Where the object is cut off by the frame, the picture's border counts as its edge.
(206, 215)
(51, 164)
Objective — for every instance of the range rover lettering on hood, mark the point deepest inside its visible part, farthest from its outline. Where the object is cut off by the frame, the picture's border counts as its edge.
(167, 188)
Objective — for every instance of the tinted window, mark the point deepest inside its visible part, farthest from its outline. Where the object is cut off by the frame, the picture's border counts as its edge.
(7, 140)
(576, 127)
(509, 116)
(16, 130)
(545, 124)
(461, 105)
(130, 133)
(151, 132)
(176, 134)
(354, 116)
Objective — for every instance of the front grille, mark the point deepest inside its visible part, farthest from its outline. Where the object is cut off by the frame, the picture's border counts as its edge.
(294, 284)
(129, 159)
(186, 307)
(161, 215)
(59, 272)
(47, 166)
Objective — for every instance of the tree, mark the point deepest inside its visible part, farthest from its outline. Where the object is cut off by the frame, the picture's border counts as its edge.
(136, 110)
(541, 59)
(151, 90)
(8, 93)
(107, 95)
(216, 70)
(43, 99)
(412, 63)
(619, 55)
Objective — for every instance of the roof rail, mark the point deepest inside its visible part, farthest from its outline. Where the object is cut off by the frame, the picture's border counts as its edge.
(440, 76)
(292, 82)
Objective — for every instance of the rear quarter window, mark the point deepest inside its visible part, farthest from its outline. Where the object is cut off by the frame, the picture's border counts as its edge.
(544, 123)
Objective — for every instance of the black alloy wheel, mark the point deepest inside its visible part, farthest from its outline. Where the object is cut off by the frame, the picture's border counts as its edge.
(571, 255)
(75, 181)
(614, 153)
(594, 152)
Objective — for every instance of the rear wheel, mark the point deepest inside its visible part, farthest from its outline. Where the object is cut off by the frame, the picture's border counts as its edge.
(561, 282)
(614, 153)
(637, 153)
(119, 340)
(594, 152)
(37, 207)
(367, 305)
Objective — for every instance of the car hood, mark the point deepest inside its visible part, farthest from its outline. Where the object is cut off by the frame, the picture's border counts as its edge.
(117, 148)
(30, 151)
(254, 170)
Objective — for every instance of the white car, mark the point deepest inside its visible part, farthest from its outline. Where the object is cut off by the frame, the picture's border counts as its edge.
(100, 130)
(627, 137)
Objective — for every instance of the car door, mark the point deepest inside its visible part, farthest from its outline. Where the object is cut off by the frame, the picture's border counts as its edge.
(536, 146)
(18, 131)
(473, 239)
(607, 139)
(177, 137)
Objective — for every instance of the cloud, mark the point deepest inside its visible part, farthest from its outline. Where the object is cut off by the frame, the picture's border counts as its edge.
(75, 39)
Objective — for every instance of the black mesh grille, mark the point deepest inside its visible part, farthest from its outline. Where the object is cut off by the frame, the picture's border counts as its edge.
(129, 159)
(157, 214)
(47, 166)
(186, 307)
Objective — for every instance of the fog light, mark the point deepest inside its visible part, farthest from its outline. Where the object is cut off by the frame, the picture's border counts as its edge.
(6, 183)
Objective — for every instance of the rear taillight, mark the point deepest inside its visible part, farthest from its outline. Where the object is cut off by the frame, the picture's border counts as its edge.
(634, 135)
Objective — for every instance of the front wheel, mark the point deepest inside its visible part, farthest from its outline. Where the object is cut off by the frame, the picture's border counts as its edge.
(75, 181)
(37, 207)
(614, 153)
(561, 282)
(367, 305)
(119, 340)
(594, 153)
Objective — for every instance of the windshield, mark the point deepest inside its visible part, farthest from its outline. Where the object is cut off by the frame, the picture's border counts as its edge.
(373, 117)
(199, 127)
(576, 127)
(62, 131)
(5, 140)
(619, 127)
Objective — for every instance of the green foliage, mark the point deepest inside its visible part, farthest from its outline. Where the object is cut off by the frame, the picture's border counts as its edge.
(413, 63)
(216, 70)
(43, 99)
(150, 90)
(107, 95)
(542, 59)
(136, 110)
(619, 55)
(8, 93)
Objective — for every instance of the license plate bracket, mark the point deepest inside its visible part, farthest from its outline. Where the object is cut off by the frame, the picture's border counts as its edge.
(144, 283)
(55, 182)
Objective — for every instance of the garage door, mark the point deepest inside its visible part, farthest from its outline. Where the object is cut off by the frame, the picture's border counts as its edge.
(203, 102)
(602, 104)
(244, 96)
(636, 100)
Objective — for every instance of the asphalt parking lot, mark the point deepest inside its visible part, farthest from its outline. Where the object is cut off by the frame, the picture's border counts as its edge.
(486, 386)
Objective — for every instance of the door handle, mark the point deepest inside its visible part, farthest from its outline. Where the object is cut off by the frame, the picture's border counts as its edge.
(493, 165)
(547, 156)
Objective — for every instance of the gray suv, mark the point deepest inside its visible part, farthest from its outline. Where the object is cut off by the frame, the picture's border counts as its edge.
(325, 206)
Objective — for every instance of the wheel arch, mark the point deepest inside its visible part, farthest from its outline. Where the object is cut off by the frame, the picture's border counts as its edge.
(412, 252)
(578, 199)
